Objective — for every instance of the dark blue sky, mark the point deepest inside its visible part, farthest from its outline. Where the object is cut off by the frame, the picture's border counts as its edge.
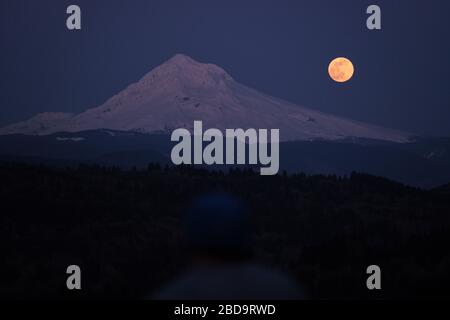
(279, 47)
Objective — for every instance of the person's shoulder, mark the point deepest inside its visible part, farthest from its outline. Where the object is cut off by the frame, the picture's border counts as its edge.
(234, 281)
(178, 288)
(281, 284)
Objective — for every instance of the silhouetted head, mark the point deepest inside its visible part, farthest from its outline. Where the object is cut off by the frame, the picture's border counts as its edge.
(218, 227)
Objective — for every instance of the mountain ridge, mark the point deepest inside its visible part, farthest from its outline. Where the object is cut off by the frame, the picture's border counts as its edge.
(408, 163)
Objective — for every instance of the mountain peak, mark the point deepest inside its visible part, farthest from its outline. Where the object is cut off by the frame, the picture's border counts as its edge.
(184, 68)
(181, 58)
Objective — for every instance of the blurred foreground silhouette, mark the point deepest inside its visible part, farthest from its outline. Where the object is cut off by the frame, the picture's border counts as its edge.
(218, 229)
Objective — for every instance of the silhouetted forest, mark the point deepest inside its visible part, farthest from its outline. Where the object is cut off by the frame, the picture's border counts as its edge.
(123, 229)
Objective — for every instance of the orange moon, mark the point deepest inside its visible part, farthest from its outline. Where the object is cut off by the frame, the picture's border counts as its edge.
(341, 69)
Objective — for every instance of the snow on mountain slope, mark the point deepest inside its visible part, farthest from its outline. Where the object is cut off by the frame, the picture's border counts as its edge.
(182, 90)
(42, 123)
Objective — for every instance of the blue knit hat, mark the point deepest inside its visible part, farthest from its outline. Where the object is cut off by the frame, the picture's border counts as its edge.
(218, 222)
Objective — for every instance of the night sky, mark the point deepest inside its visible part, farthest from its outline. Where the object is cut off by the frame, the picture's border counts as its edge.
(278, 47)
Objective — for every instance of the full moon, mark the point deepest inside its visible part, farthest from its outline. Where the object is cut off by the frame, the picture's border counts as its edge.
(341, 69)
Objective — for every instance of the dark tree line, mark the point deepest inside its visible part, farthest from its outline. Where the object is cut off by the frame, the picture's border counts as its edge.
(123, 229)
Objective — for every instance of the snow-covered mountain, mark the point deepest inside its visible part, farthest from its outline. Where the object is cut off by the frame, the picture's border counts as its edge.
(182, 90)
